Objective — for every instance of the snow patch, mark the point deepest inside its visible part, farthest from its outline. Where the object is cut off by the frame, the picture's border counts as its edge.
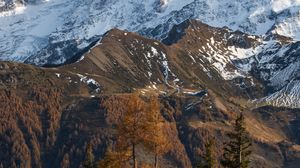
(58, 75)
(87, 80)
(154, 51)
(280, 5)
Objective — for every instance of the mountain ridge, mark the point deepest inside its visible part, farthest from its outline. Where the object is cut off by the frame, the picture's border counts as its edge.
(63, 105)
(229, 53)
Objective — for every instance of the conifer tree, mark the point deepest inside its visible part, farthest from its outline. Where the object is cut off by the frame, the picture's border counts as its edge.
(113, 159)
(210, 156)
(89, 158)
(134, 125)
(237, 150)
(156, 136)
(139, 123)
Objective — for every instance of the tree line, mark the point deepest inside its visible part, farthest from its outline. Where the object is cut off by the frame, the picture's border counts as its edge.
(140, 123)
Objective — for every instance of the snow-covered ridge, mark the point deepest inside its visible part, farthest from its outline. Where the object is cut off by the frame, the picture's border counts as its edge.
(277, 65)
(289, 96)
(47, 30)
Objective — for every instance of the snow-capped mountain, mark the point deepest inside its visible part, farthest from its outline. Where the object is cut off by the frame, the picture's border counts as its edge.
(273, 59)
(52, 31)
(277, 64)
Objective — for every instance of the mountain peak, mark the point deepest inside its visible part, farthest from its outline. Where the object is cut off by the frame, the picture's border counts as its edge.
(180, 30)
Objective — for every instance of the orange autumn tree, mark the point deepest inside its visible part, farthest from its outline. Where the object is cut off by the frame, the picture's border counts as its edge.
(136, 122)
(133, 124)
(157, 137)
(114, 159)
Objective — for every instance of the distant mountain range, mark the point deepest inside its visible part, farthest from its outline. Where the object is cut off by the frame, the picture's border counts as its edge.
(52, 31)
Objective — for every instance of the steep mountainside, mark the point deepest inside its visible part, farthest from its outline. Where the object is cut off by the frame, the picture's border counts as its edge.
(204, 77)
(52, 31)
(244, 59)
(277, 65)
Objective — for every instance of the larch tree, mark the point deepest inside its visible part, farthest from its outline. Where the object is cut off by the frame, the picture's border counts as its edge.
(156, 135)
(137, 121)
(113, 159)
(134, 123)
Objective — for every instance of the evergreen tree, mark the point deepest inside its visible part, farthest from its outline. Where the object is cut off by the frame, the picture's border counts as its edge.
(237, 150)
(89, 157)
(210, 156)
